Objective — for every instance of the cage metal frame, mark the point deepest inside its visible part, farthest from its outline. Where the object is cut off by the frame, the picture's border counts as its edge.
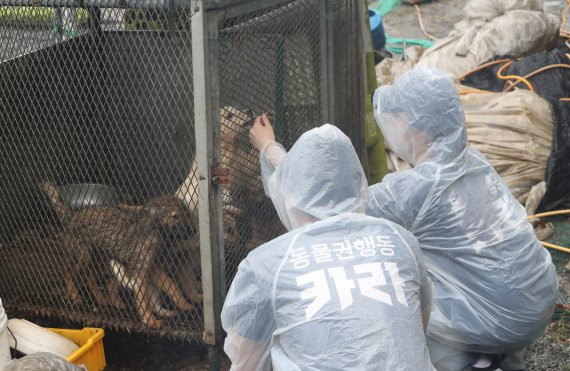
(205, 36)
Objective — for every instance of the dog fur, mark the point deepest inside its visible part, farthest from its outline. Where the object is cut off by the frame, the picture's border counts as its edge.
(237, 155)
(249, 217)
(132, 238)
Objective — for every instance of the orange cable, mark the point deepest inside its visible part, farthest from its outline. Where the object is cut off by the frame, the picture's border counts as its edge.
(536, 72)
(509, 77)
(474, 91)
(481, 67)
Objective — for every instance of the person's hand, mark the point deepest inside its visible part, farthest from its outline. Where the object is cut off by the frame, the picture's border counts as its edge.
(261, 132)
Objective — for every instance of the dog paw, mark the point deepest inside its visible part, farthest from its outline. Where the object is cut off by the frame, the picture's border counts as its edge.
(186, 307)
(196, 298)
(153, 323)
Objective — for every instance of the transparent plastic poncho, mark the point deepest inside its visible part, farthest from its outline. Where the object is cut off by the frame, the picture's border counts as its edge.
(495, 285)
(341, 290)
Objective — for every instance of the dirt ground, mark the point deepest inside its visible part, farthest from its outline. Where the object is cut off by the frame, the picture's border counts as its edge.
(438, 17)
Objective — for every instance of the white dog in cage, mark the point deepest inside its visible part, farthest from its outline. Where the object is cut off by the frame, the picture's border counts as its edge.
(237, 155)
(244, 191)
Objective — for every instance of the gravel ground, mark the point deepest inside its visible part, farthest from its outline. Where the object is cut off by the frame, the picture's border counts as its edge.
(438, 17)
(552, 350)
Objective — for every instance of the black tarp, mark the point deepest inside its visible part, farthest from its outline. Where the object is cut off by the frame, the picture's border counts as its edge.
(551, 85)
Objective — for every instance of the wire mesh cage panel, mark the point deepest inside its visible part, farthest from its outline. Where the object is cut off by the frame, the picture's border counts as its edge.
(99, 220)
(269, 62)
(273, 60)
(98, 126)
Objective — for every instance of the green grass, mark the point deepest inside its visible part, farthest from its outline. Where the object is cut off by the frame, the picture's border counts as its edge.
(32, 14)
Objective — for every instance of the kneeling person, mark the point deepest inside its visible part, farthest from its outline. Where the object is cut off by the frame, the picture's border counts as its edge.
(341, 290)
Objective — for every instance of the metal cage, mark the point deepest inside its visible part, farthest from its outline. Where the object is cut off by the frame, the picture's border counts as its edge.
(116, 117)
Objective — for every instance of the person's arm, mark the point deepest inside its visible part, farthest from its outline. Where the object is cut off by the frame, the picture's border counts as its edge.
(383, 202)
(246, 354)
(399, 197)
(247, 317)
(271, 153)
(426, 286)
(426, 294)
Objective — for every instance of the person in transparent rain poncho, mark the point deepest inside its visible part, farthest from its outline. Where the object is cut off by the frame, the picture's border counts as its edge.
(340, 290)
(495, 285)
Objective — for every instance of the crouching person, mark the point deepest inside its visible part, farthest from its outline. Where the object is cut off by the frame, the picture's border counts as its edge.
(339, 291)
(495, 285)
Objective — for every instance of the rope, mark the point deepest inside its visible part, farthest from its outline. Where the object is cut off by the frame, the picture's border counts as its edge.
(428, 35)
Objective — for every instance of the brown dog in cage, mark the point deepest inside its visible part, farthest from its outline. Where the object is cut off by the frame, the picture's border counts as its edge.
(187, 272)
(131, 237)
(158, 279)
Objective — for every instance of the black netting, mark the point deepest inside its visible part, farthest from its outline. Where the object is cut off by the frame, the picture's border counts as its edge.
(98, 216)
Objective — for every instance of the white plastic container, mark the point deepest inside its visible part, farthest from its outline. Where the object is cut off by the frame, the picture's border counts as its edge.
(33, 338)
(4, 347)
